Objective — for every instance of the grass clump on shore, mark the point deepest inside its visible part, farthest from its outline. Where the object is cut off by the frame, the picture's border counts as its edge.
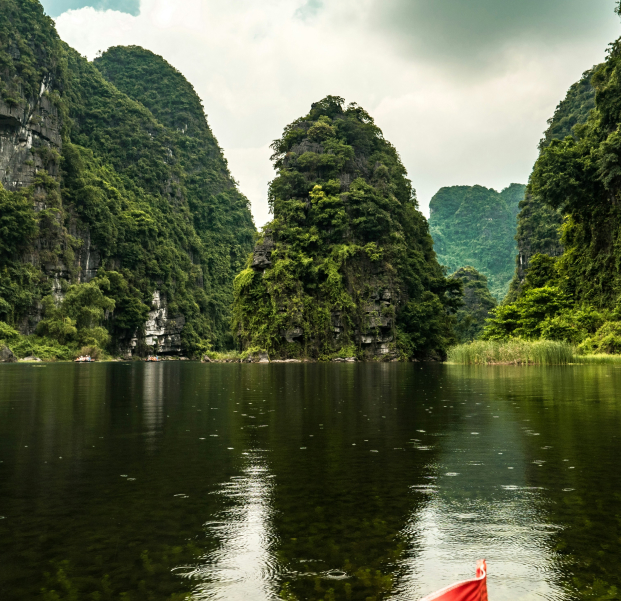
(512, 352)
(599, 359)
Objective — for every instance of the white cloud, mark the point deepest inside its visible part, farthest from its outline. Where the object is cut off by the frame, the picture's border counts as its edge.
(259, 64)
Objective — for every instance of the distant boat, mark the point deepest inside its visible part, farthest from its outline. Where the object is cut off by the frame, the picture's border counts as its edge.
(84, 359)
(468, 590)
(152, 358)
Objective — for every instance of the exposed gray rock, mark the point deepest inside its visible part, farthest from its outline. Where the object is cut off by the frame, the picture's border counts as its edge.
(7, 356)
(161, 332)
(291, 334)
(25, 128)
(262, 256)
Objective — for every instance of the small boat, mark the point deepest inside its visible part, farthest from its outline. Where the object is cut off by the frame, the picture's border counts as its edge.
(152, 359)
(468, 590)
(84, 359)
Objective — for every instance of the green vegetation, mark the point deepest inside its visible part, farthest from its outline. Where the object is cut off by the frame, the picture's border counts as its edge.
(513, 352)
(473, 225)
(538, 224)
(546, 310)
(572, 111)
(575, 297)
(347, 262)
(140, 182)
(478, 302)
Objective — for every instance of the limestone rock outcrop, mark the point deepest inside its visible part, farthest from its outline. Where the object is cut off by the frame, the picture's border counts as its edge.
(6, 355)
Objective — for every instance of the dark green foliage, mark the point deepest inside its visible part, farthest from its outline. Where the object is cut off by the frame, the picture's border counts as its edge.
(473, 225)
(350, 254)
(580, 178)
(573, 110)
(478, 302)
(154, 199)
(538, 224)
(18, 224)
(219, 212)
(29, 51)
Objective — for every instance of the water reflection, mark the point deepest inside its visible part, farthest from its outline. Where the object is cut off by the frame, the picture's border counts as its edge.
(480, 505)
(243, 565)
(308, 482)
(153, 403)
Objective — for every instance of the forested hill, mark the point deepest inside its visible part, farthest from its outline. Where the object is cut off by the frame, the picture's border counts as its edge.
(346, 268)
(537, 223)
(121, 225)
(576, 295)
(475, 226)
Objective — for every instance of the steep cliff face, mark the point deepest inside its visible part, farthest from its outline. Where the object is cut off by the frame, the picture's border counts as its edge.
(538, 224)
(475, 226)
(347, 266)
(579, 178)
(30, 77)
(96, 184)
(219, 212)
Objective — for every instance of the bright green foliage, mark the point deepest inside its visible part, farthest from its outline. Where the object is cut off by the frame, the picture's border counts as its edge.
(78, 317)
(527, 316)
(547, 312)
(512, 352)
(473, 225)
(349, 251)
(7, 333)
(606, 340)
(478, 302)
(142, 177)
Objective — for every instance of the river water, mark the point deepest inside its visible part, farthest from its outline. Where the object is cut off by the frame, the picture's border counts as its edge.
(137, 481)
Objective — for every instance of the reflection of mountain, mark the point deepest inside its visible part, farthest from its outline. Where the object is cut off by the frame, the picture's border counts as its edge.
(343, 474)
(243, 566)
(309, 478)
(577, 414)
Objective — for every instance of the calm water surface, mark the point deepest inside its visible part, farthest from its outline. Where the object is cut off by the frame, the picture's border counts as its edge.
(307, 482)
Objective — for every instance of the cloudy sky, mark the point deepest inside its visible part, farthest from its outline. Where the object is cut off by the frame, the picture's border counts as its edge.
(462, 88)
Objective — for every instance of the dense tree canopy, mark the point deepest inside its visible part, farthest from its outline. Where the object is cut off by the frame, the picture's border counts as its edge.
(478, 302)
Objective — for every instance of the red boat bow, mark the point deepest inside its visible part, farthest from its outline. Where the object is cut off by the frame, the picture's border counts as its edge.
(468, 590)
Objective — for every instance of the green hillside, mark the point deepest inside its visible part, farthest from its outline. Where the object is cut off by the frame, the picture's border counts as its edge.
(473, 225)
(537, 223)
(346, 267)
(576, 295)
(113, 201)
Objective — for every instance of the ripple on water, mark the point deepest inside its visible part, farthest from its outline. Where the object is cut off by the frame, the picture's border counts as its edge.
(336, 575)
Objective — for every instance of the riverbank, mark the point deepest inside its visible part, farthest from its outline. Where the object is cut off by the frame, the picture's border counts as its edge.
(524, 352)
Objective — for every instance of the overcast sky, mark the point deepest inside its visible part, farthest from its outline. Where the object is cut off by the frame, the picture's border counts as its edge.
(462, 88)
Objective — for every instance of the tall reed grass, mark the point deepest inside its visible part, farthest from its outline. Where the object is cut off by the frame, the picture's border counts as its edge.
(512, 352)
